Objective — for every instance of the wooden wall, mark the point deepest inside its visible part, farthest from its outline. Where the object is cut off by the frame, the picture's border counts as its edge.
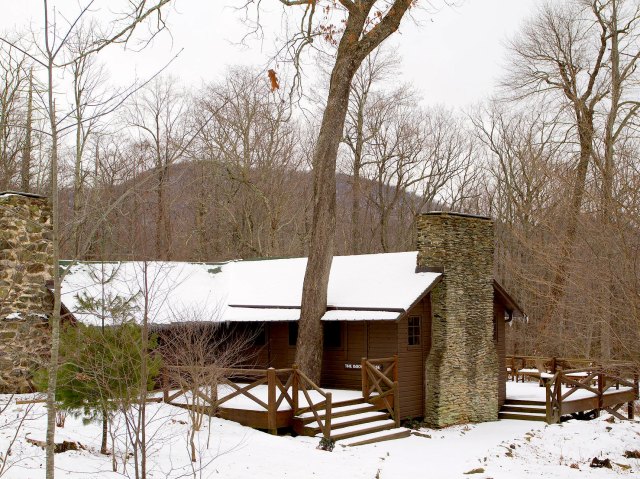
(499, 339)
(353, 347)
(371, 339)
(377, 339)
(412, 360)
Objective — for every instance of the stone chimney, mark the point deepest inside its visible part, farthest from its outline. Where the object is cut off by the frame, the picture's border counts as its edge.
(25, 267)
(462, 367)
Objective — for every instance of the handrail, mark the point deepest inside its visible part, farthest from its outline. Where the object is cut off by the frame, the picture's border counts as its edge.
(303, 384)
(383, 382)
(604, 380)
(379, 376)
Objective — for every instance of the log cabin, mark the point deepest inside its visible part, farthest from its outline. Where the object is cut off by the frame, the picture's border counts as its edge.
(438, 309)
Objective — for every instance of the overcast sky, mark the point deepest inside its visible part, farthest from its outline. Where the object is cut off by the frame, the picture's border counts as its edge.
(453, 57)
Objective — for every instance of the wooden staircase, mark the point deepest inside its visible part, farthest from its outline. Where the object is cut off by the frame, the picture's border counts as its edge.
(353, 423)
(523, 410)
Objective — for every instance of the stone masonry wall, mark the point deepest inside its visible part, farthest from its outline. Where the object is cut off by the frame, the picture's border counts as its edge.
(25, 267)
(462, 367)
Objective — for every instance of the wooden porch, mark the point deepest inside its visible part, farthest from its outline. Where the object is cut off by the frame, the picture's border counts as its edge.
(549, 389)
(274, 399)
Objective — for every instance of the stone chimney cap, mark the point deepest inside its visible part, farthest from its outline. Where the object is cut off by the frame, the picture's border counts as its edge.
(21, 193)
(454, 213)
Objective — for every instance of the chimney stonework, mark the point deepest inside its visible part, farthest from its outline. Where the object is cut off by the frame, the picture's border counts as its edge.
(462, 367)
(25, 267)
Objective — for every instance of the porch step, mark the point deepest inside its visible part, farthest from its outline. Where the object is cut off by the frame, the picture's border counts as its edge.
(528, 409)
(522, 416)
(345, 421)
(360, 429)
(523, 410)
(356, 408)
(389, 434)
(524, 402)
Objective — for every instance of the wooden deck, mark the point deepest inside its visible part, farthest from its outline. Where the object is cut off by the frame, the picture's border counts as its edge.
(552, 393)
(274, 399)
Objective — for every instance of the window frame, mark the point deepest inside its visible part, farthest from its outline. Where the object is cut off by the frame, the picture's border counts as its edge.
(411, 332)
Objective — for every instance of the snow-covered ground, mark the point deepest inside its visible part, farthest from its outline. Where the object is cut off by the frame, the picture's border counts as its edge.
(503, 449)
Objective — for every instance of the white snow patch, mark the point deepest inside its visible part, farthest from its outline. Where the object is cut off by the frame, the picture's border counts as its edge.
(504, 449)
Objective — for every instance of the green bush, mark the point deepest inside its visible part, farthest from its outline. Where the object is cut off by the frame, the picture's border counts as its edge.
(101, 367)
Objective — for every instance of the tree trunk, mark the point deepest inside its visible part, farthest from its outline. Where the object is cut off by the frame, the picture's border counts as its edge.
(357, 167)
(585, 135)
(25, 167)
(316, 279)
(105, 432)
(608, 207)
(54, 321)
(353, 48)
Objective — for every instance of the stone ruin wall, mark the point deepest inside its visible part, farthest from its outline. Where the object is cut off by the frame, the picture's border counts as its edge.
(462, 367)
(25, 267)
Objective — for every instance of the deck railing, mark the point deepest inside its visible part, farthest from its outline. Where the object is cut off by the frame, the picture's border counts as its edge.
(380, 383)
(552, 364)
(282, 385)
(304, 384)
(564, 377)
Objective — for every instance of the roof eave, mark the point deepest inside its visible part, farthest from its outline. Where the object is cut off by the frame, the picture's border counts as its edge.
(433, 284)
(511, 305)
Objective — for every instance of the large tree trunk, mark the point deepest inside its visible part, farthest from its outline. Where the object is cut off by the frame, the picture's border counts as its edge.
(321, 248)
(353, 48)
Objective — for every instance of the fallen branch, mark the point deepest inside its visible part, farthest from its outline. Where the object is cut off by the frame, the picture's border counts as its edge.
(63, 446)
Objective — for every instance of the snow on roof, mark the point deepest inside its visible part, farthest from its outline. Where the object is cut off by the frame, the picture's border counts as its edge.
(363, 287)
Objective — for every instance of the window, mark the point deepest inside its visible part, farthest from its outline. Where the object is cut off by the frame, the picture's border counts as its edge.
(293, 333)
(413, 333)
(332, 334)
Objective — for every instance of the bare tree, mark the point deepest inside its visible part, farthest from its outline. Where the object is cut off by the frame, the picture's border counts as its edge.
(159, 114)
(250, 148)
(14, 76)
(560, 56)
(366, 24)
(53, 56)
(198, 353)
(375, 69)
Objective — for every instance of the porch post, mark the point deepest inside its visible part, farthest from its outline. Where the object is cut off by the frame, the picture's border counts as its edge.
(271, 386)
(327, 416)
(365, 379)
(601, 379)
(294, 388)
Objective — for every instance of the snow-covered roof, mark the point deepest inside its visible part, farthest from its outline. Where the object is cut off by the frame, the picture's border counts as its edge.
(362, 287)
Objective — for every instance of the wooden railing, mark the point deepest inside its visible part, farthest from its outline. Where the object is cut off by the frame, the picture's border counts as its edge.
(304, 384)
(554, 363)
(282, 385)
(380, 383)
(597, 381)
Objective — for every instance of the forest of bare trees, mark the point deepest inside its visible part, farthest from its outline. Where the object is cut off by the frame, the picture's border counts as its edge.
(223, 170)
